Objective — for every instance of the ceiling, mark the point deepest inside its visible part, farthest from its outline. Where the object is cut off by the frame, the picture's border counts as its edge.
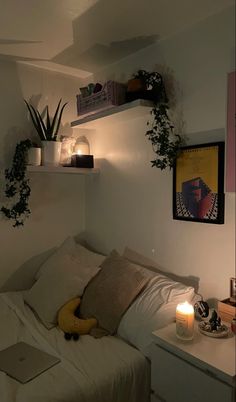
(79, 37)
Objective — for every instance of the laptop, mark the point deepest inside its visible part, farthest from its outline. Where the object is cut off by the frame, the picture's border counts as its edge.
(24, 362)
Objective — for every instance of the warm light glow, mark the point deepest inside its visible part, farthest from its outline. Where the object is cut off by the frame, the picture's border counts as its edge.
(82, 146)
(185, 308)
(185, 321)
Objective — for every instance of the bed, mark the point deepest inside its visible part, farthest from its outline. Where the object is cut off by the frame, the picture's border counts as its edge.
(112, 368)
(101, 370)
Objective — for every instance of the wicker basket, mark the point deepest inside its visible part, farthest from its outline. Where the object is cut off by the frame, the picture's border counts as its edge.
(112, 94)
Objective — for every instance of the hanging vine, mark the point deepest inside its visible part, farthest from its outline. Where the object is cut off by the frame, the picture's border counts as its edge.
(166, 143)
(17, 188)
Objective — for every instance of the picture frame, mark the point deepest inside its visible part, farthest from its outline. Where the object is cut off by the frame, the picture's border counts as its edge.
(198, 184)
(230, 139)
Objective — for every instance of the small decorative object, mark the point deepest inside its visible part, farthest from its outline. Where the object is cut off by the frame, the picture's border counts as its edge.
(185, 321)
(84, 92)
(82, 146)
(111, 94)
(82, 161)
(81, 157)
(213, 327)
(48, 132)
(201, 309)
(227, 309)
(70, 323)
(233, 290)
(165, 141)
(91, 87)
(67, 148)
(97, 88)
(233, 325)
(34, 156)
(17, 186)
(198, 184)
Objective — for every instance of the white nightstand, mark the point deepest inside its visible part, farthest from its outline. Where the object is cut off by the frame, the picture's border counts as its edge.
(201, 370)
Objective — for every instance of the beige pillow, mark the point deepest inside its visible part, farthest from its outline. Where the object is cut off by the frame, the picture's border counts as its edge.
(111, 291)
(63, 276)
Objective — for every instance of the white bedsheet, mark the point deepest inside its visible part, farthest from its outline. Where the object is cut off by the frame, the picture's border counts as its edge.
(91, 370)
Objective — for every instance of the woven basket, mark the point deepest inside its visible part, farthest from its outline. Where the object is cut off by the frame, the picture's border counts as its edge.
(112, 94)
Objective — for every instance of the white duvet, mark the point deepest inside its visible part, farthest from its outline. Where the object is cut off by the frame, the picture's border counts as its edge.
(91, 370)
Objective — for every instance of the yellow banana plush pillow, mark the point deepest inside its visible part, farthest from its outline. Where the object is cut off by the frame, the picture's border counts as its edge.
(69, 322)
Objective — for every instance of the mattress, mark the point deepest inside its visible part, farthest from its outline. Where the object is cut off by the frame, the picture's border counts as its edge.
(91, 370)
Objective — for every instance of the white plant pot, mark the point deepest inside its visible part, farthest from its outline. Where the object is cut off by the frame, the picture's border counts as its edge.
(51, 153)
(34, 156)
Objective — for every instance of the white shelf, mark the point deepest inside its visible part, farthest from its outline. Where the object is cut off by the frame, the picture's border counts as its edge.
(127, 111)
(61, 169)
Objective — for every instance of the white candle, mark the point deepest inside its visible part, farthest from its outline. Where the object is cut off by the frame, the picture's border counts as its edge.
(184, 321)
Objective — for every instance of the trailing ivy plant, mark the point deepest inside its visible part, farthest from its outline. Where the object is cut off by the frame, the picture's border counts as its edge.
(17, 186)
(166, 143)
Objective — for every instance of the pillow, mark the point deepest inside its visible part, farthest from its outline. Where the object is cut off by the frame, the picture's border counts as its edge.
(110, 293)
(154, 308)
(147, 263)
(24, 277)
(77, 251)
(63, 279)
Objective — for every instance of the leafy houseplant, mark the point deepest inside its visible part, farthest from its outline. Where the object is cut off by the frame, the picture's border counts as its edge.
(17, 183)
(165, 142)
(48, 129)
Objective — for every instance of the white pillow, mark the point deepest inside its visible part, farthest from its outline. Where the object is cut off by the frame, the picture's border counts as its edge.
(77, 251)
(153, 309)
(62, 277)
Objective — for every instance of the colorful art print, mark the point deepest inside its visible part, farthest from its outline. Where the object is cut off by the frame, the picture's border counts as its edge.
(198, 184)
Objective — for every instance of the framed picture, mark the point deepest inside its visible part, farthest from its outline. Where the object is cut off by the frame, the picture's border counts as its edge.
(198, 184)
(231, 141)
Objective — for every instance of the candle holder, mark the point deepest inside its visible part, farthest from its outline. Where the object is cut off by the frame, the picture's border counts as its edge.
(82, 161)
(185, 321)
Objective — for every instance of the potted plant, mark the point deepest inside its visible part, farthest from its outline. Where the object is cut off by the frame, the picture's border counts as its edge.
(166, 143)
(47, 129)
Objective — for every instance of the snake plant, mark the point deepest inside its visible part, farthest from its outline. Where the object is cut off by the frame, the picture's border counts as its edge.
(46, 127)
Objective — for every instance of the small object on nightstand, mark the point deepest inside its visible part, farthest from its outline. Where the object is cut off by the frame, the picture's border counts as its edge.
(201, 309)
(233, 325)
(184, 321)
(213, 327)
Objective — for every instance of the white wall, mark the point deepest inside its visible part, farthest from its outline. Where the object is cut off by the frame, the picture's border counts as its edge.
(131, 203)
(57, 201)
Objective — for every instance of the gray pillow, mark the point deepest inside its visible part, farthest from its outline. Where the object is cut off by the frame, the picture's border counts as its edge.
(147, 263)
(110, 293)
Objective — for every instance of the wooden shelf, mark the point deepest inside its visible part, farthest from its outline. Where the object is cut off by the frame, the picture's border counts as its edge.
(127, 111)
(62, 169)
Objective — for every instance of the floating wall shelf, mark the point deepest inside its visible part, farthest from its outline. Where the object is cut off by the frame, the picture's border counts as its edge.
(61, 169)
(127, 111)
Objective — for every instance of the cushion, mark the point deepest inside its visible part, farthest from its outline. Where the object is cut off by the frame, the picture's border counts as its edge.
(75, 250)
(62, 277)
(153, 309)
(147, 263)
(111, 291)
(69, 323)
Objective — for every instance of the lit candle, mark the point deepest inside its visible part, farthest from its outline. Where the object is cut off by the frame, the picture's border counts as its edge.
(184, 321)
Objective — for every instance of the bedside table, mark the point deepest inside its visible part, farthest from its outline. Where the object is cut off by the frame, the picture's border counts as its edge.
(201, 370)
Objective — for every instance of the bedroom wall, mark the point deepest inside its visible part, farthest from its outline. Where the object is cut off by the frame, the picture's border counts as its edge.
(57, 201)
(131, 203)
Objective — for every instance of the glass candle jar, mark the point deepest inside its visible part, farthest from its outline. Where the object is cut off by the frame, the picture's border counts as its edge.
(184, 321)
